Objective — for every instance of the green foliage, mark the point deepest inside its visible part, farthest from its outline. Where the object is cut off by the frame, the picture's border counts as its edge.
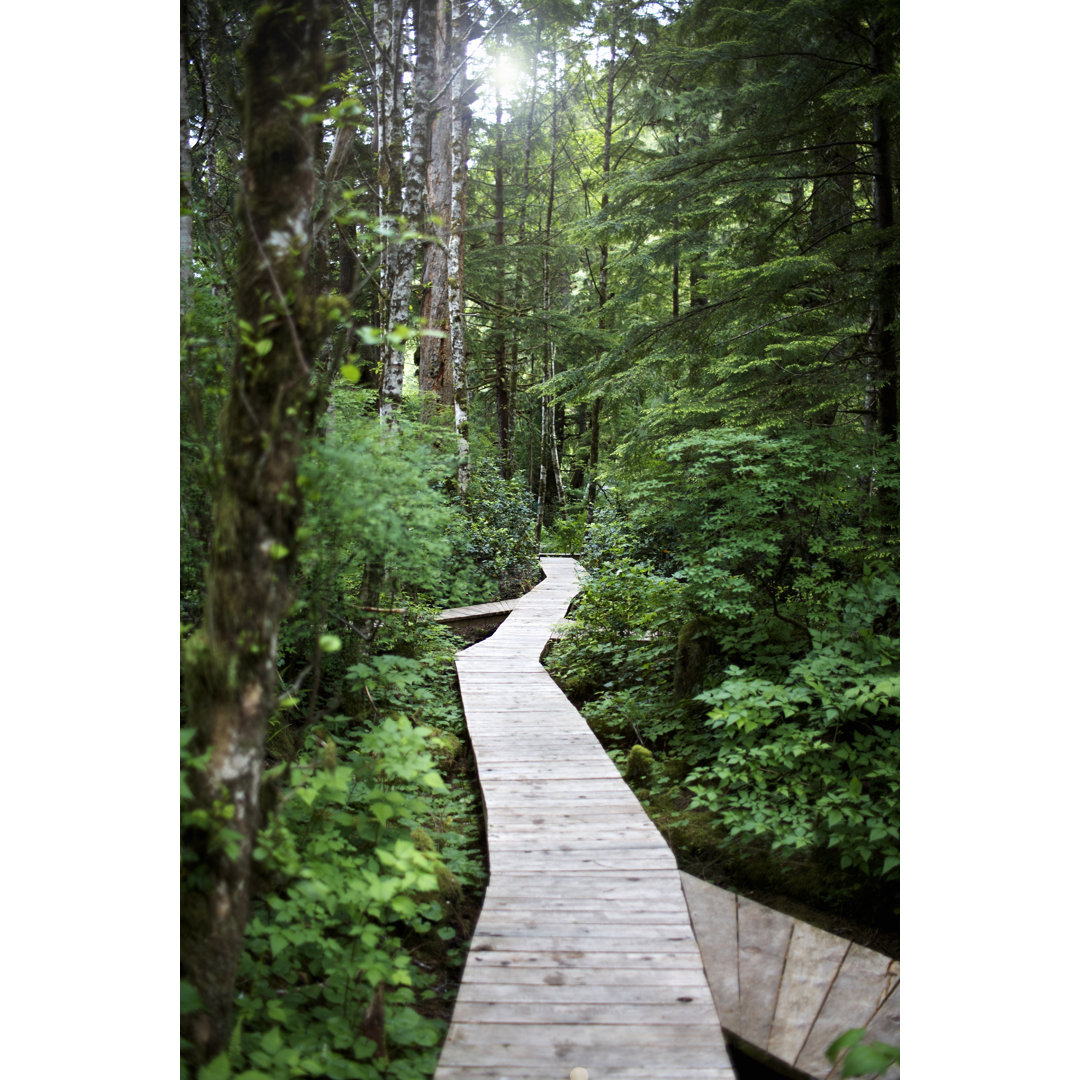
(566, 534)
(763, 569)
(348, 905)
(859, 1058)
(493, 538)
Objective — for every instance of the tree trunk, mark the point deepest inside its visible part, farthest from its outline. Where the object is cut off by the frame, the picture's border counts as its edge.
(187, 247)
(389, 19)
(503, 401)
(433, 353)
(456, 263)
(402, 260)
(602, 282)
(548, 453)
(229, 670)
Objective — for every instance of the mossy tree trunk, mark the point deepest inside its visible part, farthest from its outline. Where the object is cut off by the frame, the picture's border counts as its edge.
(229, 669)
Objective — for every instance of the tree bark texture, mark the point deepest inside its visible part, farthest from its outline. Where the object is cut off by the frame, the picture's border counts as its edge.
(229, 670)
(504, 410)
(459, 156)
(435, 367)
(187, 248)
(401, 261)
(389, 17)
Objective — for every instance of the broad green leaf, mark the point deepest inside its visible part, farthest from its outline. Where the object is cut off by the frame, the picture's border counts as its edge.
(218, 1069)
(850, 1038)
(272, 1041)
(868, 1060)
(189, 998)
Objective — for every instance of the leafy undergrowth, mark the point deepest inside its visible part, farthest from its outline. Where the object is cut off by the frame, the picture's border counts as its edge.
(369, 877)
(751, 698)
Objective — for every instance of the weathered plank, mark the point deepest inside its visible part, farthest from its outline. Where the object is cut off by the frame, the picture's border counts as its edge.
(813, 962)
(851, 1002)
(607, 1012)
(763, 942)
(593, 1046)
(712, 912)
(607, 992)
(688, 981)
(610, 1072)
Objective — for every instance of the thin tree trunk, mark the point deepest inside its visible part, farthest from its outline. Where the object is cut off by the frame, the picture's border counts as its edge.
(402, 261)
(548, 453)
(229, 669)
(389, 19)
(187, 247)
(503, 401)
(434, 363)
(602, 277)
(456, 263)
(541, 486)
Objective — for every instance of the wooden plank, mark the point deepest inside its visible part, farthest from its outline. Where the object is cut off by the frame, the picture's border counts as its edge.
(851, 1002)
(640, 963)
(597, 1046)
(587, 907)
(713, 915)
(607, 992)
(764, 935)
(548, 770)
(813, 962)
(607, 1012)
(582, 939)
(538, 862)
(611, 1072)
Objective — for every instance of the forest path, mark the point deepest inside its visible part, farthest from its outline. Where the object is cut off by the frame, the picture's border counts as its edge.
(584, 956)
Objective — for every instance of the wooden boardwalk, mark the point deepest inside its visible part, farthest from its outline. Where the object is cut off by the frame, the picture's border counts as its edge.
(584, 956)
(787, 987)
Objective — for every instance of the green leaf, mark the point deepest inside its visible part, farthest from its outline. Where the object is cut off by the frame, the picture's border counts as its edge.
(869, 1060)
(330, 643)
(272, 1041)
(218, 1069)
(189, 998)
(850, 1038)
(350, 373)
(263, 346)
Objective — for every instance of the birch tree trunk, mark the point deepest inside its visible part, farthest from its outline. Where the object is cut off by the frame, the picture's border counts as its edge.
(433, 353)
(548, 452)
(602, 276)
(519, 268)
(456, 268)
(503, 401)
(229, 666)
(389, 34)
(401, 262)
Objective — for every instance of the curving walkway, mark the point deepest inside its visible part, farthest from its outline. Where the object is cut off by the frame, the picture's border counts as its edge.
(584, 956)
